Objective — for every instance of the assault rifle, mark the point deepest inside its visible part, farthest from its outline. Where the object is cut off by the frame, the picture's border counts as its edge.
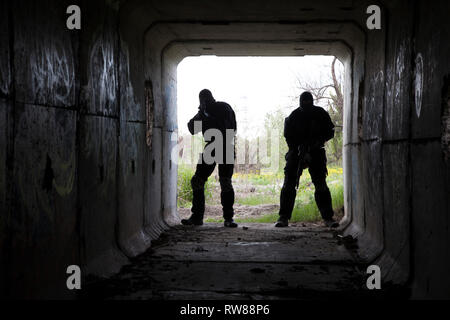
(304, 159)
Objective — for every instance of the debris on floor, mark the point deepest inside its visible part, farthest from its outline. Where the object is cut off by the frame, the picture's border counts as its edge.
(212, 262)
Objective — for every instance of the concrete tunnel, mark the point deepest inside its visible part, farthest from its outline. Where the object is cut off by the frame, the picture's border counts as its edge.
(87, 118)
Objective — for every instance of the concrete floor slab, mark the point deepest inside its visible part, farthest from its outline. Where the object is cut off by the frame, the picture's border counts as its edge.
(254, 261)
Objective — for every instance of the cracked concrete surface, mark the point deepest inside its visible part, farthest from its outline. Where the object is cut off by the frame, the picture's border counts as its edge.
(255, 262)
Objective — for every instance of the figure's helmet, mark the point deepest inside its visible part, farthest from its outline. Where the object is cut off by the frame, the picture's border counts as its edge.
(206, 96)
(306, 99)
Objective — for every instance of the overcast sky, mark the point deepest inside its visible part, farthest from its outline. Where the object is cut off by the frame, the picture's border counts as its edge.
(253, 86)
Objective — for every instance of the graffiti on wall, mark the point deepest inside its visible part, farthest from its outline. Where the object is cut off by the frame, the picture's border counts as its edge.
(102, 84)
(52, 72)
(418, 84)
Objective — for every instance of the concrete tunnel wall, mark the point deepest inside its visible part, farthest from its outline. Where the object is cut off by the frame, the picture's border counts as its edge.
(87, 118)
(74, 145)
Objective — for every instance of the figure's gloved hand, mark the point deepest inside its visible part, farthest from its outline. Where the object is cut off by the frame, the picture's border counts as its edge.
(191, 123)
(202, 110)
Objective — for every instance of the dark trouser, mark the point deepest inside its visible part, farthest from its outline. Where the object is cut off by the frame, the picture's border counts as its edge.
(198, 181)
(318, 172)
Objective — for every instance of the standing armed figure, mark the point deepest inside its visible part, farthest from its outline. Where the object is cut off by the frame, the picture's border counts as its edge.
(306, 130)
(220, 116)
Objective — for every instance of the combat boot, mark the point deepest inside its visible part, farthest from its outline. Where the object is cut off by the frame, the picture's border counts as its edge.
(192, 221)
(282, 223)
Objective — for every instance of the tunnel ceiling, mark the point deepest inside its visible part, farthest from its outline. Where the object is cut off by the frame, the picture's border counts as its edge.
(269, 10)
(196, 48)
(293, 20)
(328, 38)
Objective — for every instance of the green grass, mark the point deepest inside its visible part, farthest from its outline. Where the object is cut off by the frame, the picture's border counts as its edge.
(267, 187)
(305, 209)
(258, 199)
(184, 188)
(263, 179)
(303, 212)
(309, 212)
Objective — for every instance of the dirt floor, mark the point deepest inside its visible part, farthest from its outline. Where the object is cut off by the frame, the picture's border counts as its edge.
(245, 211)
(254, 261)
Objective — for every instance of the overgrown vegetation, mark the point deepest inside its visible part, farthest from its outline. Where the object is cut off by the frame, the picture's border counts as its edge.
(305, 209)
(254, 189)
(184, 188)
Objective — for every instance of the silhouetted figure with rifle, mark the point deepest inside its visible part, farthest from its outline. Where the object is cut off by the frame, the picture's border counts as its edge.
(306, 130)
(219, 117)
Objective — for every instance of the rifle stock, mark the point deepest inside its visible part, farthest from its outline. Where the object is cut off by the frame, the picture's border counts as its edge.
(303, 151)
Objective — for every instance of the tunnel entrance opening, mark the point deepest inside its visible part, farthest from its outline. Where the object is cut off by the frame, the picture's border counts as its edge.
(268, 250)
(167, 44)
(262, 91)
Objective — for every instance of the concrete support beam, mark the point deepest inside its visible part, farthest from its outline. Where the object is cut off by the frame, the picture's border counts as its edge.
(98, 195)
(132, 157)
